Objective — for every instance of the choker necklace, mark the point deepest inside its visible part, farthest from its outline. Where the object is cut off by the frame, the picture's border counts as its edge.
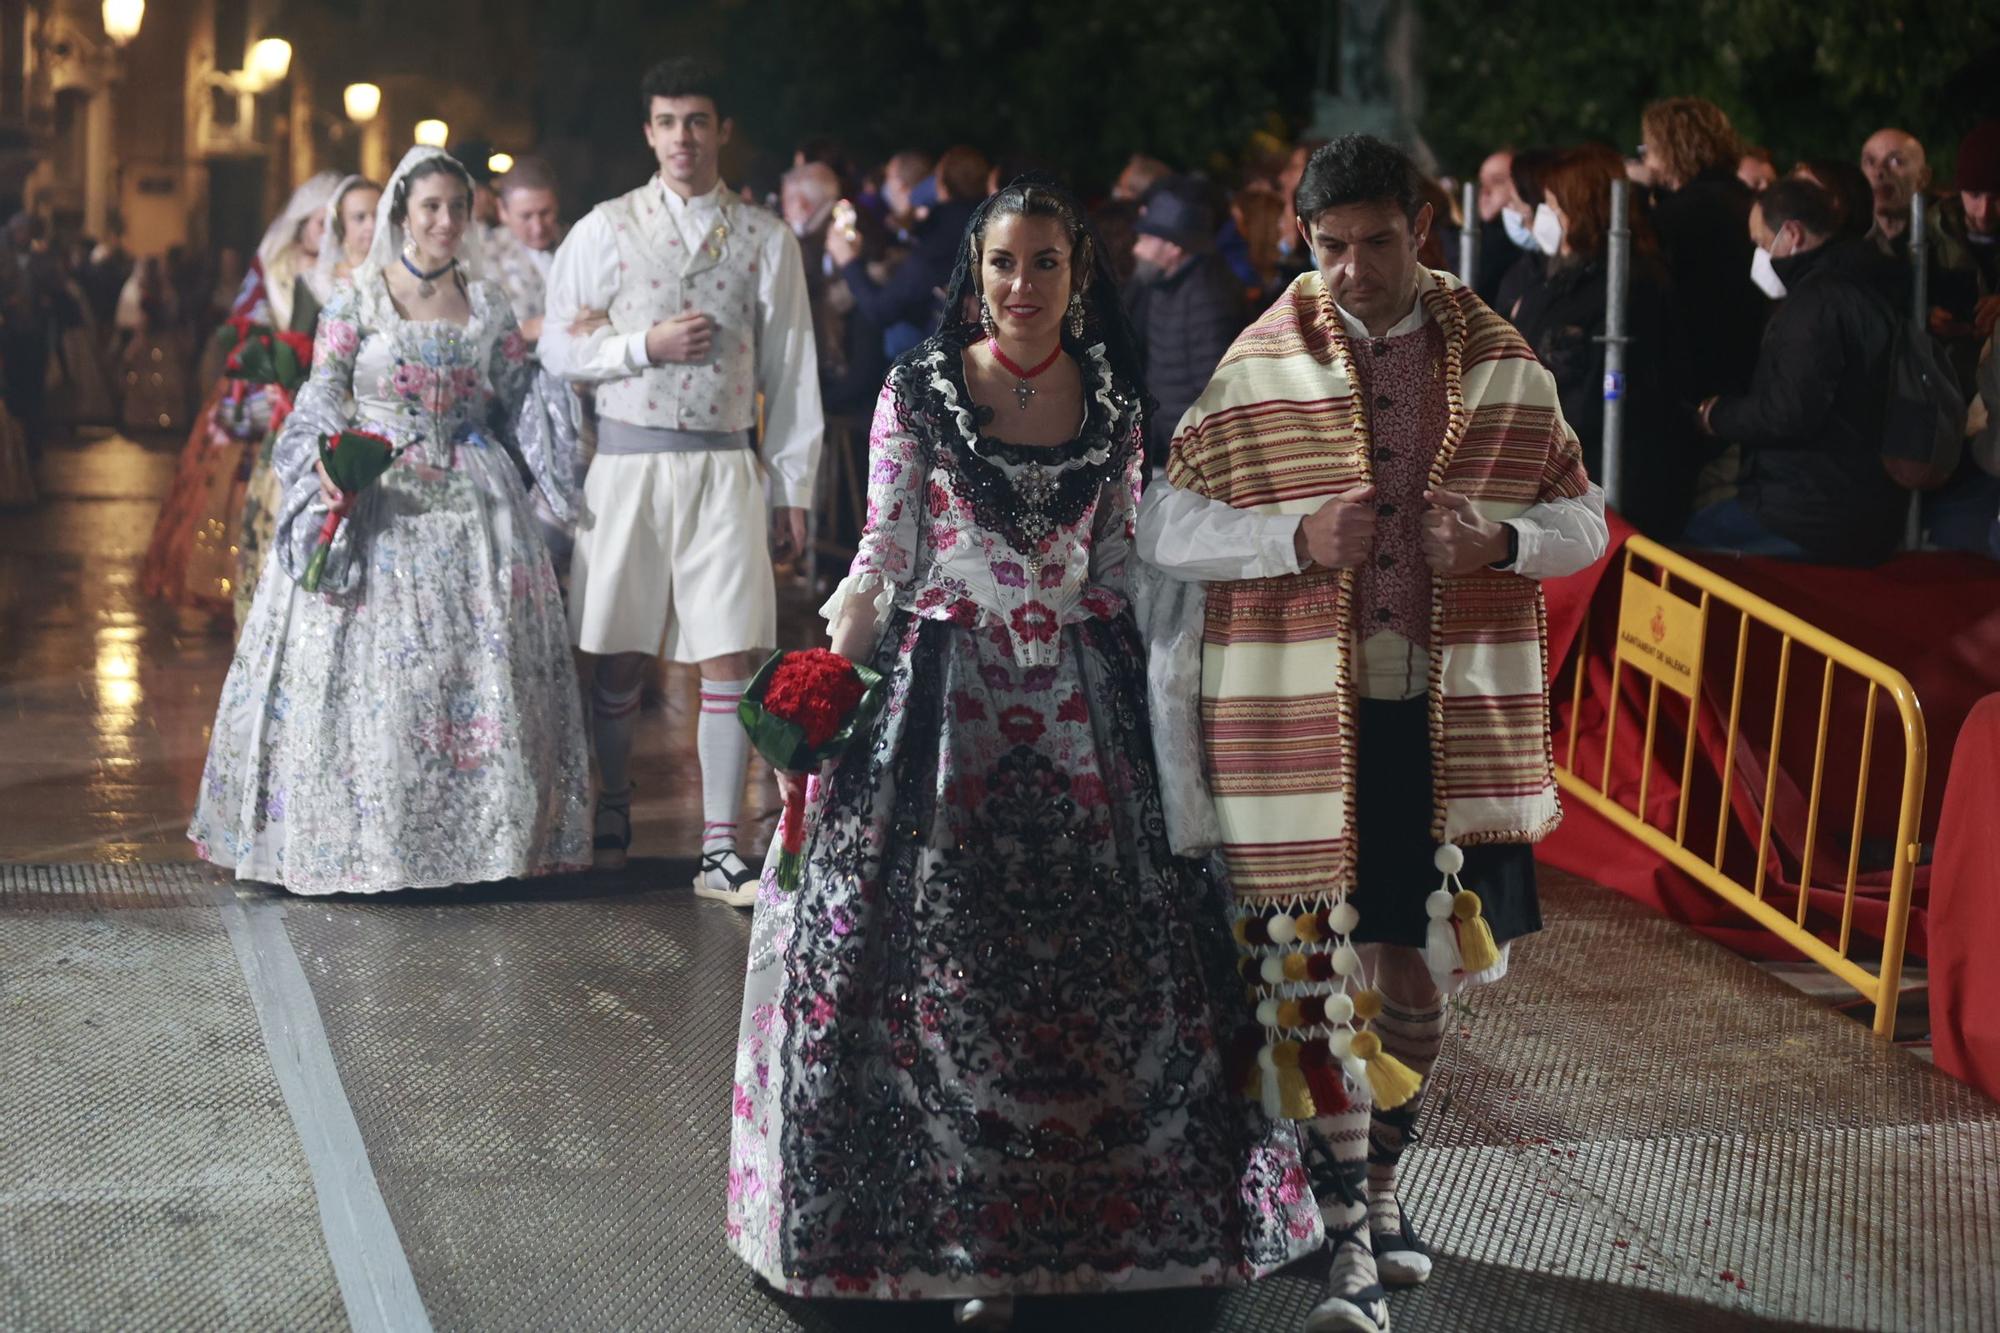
(1023, 390)
(427, 288)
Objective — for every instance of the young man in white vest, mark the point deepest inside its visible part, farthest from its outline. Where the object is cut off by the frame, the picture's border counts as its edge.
(684, 306)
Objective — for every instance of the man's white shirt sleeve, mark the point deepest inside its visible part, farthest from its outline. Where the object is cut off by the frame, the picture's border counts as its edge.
(1560, 537)
(787, 372)
(1196, 539)
(584, 276)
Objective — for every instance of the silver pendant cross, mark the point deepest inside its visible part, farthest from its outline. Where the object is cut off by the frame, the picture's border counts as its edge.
(1023, 391)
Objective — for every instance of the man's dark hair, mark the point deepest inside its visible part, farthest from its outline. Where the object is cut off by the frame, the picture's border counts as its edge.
(1800, 201)
(680, 76)
(1358, 169)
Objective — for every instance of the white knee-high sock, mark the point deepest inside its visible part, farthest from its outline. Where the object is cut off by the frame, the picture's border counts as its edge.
(613, 715)
(724, 748)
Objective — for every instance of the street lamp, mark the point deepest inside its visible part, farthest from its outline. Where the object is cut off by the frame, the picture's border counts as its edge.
(362, 101)
(433, 133)
(270, 60)
(122, 19)
(500, 163)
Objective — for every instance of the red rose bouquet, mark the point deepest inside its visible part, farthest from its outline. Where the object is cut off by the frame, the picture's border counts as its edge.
(802, 709)
(259, 354)
(353, 459)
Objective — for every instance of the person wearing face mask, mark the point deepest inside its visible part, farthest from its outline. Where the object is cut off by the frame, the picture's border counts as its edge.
(1325, 491)
(1812, 485)
(690, 313)
(1517, 216)
(1185, 304)
(413, 721)
(1563, 319)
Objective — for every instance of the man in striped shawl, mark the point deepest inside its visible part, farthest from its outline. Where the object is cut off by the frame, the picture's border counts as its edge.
(1370, 488)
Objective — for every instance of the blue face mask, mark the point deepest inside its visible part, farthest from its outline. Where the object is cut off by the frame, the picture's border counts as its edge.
(1518, 231)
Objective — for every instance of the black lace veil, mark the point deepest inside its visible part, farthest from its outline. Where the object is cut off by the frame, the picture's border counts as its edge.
(1104, 321)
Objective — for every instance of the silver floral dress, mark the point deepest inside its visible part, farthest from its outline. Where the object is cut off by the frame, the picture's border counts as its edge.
(415, 723)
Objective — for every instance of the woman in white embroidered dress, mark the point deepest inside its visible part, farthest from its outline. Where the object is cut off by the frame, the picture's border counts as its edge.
(414, 723)
(982, 1045)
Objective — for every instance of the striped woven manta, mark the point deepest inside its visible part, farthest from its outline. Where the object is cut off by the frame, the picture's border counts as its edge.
(1278, 430)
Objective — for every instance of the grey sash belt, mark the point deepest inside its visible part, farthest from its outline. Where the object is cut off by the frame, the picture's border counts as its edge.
(622, 437)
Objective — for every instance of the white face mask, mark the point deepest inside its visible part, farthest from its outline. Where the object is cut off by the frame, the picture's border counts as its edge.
(1765, 276)
(1548, 230)
(1517, 230)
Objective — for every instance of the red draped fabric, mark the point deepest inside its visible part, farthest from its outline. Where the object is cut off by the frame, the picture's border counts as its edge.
(1935, 617)
(1965, 895)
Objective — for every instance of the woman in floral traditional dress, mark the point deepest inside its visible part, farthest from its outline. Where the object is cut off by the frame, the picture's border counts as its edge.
(981, 1045)
(192, 559)
(414, 723)
(349, 232)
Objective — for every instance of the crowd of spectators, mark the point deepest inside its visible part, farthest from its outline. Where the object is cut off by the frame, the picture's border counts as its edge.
(1769, 310)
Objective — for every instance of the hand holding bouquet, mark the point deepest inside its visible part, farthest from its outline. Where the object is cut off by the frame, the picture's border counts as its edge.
(351, 461)
(802, 709)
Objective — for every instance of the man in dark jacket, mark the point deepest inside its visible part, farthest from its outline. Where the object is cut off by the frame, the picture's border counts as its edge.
(1812, 485)
(1185, 305)
(905, 305)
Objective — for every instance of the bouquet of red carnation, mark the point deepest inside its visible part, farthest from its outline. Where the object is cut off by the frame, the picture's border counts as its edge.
(259, 354)
(802, 709)
(354, 459)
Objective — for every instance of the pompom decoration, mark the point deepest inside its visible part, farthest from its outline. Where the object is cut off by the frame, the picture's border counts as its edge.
(1391, 1081)
(1476, 949)
(1317, 1053)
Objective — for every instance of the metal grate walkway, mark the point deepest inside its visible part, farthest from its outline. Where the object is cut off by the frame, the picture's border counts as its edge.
(1641, 1131)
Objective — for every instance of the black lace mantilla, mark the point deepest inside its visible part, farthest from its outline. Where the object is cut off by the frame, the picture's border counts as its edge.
(1022, 492)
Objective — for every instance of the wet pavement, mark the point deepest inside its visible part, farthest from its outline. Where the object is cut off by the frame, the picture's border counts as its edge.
(107, 697)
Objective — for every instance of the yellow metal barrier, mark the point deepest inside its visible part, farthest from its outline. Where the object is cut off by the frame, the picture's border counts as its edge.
(1664, 636)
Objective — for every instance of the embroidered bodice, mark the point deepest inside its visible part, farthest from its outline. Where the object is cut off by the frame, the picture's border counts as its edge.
(428, 385)
(1019, 539)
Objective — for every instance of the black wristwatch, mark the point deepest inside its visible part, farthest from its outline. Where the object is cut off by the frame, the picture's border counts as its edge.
(1506, 561)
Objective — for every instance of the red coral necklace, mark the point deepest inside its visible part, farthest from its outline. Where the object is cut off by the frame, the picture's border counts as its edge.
(1023, 390)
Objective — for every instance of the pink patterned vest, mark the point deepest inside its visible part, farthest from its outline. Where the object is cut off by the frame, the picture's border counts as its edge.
(1401, 384)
